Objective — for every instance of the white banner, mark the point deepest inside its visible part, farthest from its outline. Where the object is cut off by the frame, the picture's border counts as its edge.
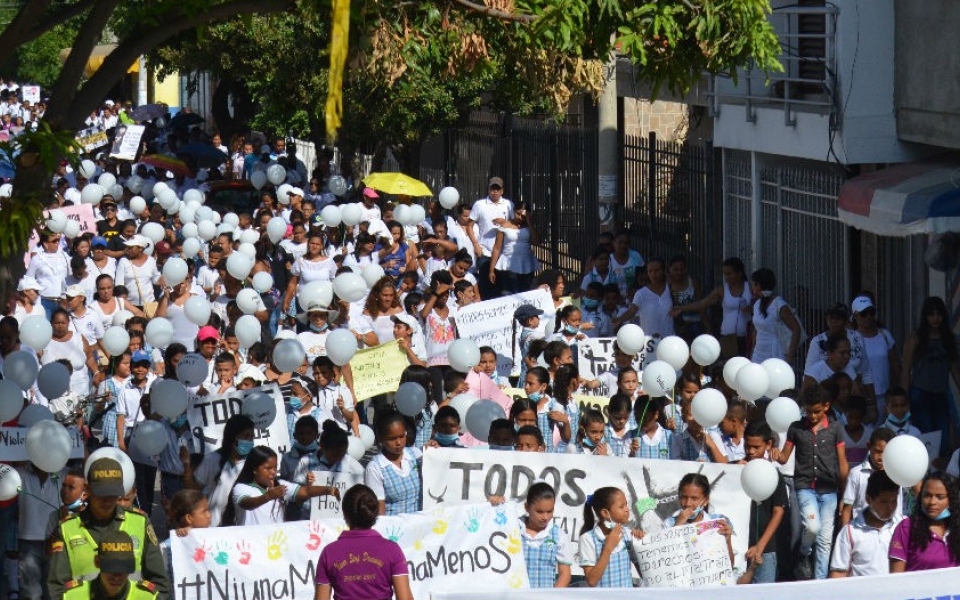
(686, 556)
(13, 443)
(490, 323)
(454, 476)
(942, 584)
(328, 507)
(448, 548)
(207, 416)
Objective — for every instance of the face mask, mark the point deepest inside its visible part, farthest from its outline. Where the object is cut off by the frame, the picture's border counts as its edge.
(319, 329)
(590, 303)
(609, 524)
(244, 447)
(696, 513)
(570, 329)
(179, 421)
(296, 403)
(766, 293)
(516, 427)
(75, 505)
(502, 448)
(589, 443)
(878, 517)
(535, 396)
(943, 516)
(899, 422)
(446, 439)
(306, 448)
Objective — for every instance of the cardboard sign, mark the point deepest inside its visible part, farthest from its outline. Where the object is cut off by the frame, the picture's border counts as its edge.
(686, 556)
(328, 507)
(377, 370)
(208, 415)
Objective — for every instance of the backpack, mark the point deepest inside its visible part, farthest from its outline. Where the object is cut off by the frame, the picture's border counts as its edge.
(784, 333)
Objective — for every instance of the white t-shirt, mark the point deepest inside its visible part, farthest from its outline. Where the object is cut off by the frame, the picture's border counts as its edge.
(217, 483)
(855, 493)
(327, 400)
(138, 279)
(271, 512)
(314, 344)
(588, 548)
(90, 326)
(862, 550)
(484, 212)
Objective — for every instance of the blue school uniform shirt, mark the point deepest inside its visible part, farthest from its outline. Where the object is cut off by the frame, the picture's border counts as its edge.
(617, 574)
(542, 553)
(547, 426)
(658, 446)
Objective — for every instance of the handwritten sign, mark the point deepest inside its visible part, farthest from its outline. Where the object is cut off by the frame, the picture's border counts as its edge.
(13, 443)
(207, 416)
(584, 401)
(596, 358)
(490, 323)
(448, 548)
(686, 556)
(328, 507)
(126, 142)
(377, 370)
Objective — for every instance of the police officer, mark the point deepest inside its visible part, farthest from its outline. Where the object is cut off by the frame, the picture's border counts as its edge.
(73, 547)
(116, 560)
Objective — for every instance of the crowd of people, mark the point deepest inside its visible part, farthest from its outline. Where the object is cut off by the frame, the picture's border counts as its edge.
(835, 512)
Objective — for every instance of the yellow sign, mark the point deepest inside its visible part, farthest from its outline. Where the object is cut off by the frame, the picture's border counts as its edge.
(584, 401)
(377, 370)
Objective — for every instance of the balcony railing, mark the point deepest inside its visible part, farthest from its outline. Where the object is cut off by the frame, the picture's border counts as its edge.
(808, 82)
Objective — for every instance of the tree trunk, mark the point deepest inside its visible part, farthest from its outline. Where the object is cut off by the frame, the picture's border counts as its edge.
(220, 109)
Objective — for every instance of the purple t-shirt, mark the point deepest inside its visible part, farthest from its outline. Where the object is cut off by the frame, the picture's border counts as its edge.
(936, 555)
(361, 565)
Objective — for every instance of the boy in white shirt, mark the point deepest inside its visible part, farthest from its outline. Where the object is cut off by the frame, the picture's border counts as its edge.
(855, 494)
(898, 413)
(862, 545)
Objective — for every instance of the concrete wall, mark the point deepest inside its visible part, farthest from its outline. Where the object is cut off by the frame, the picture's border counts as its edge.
(928, 72)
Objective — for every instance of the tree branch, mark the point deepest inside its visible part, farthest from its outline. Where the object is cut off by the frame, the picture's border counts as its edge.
(60, 15)
(496, 13)
(18, 31)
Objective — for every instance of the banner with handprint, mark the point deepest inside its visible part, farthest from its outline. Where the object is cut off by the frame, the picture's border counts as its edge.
(454, 477)
(447, 548)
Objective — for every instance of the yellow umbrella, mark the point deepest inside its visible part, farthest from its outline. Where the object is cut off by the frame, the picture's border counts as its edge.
(397, 183)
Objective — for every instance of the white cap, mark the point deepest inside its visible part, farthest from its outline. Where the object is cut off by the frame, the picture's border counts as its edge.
(75, 290)
(406, 319)
(295, 191)
(28, 283)
(248, 371)
(860, 304)
(138, 240)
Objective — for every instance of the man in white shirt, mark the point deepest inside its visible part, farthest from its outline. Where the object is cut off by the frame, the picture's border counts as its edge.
(488, 213)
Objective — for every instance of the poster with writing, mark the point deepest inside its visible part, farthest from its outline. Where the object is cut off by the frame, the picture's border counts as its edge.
(207, 416)
(31, 93)
(687, 556)
(596, 358)
(377, 370)
(490, 323)
(584, 401)
(13, 443)
(328, 507)
(447, 548)
(126, 142)
(82, 213)
(452, 476)
(91, 139)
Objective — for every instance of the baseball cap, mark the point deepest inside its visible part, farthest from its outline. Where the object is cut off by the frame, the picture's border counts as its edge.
(106, 478)
(28, 283)
(526, 311)
(140, 356)
(208, 332)
(163, 248)
(248, 371)
(138, 240)
(370, 193)
(496, 181)
(108, 200)
(75, 290)
(295, 191)
(98, 240)
(838, 310)
(406, 319)
(115, 553)
(316, 220)
(861, 303)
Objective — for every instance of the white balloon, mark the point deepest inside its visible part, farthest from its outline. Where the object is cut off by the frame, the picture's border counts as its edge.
(11, 399)
(10, 483)
(6, 190)
(159, 332)
(282, 196)
(116, 191)
(239, 265)
(153, 231)
(248, 249)
(126, 464)
(449, 196)
(417, 214)
(659, 377)
(905, 459)
(331, 215)
(356, 448)
(463, 355)
(71, 229)
(34, 413)
(367, 436)
(372, 273)
(205, 213)
(709, 407)
(248, 301)
(316, 293)
(731, 368)
(168, 398)
(249, 236)
(674, 351)
(288, 355)
(175, 271)
(781, 413)
(759, 479)
(261, 408)
(137, 205)
(630, 338)
(189, 230)
(341, 346)
(193, 195)
(262, 282)
(248, 330)
(781, 376)
(48, 446)
(337, 185)
(135, 184)
(207, 230)
(36, 331)
(22, 368)
(258, 179)
(351, 214)
(752, 382)
(401, 214)
(88, 168)
(350, 287)
(188, 216)
(149, 438)
(276, 174)
(122, 316)
(462, 403)
(192, 369)
(56, 220)
(160, 187)
(91, 194)
(276, 229)
(174, 207)
(106, 180)
(232, 219)
(197, 310)
(116, 340)
(53, 380)
(191, 247)
(705, 350)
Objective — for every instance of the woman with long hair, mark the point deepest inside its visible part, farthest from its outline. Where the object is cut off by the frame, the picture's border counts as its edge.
(930, 537)
(512, 259)
(220, 469)
(312, 266)
(880, 349)
(375, 325)
(735, 299)
(930, 358)
(769, 312)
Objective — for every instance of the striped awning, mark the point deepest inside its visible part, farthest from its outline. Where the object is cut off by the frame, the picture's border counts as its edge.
(906, 199)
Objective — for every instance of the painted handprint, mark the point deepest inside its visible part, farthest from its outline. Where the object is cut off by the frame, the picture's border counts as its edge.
(418, 545)
(440, 527)
(244, 549)
(316, 536)
(513, 543)
(276, 544)
(394, 534)
(200, 554)
(515, 580)
(222, 558)
(500, 518)
(473, 521)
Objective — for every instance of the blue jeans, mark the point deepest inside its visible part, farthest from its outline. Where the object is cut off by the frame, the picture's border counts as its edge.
(34, 568)
(817, 511)
(767, 572)
(49, 306)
